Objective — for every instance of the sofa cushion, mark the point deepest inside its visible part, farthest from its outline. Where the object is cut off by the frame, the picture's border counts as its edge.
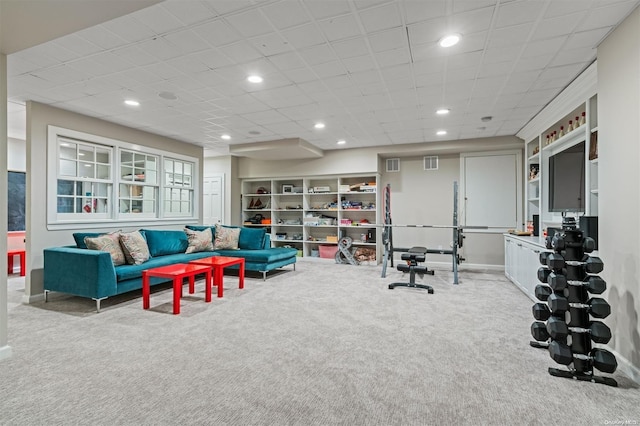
(135, 247)
(80, 236)
(127, 272)
(251, 238)
(202, 228)
(226, 238)
(163, 242)
(199, 240)
(261, 256)
(109, 243)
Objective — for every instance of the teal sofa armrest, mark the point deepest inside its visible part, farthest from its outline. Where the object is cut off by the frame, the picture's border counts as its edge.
(81, 272)
(267, 241)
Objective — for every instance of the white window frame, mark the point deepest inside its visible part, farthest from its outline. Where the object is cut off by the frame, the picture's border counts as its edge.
(114, 218)
(178, 189)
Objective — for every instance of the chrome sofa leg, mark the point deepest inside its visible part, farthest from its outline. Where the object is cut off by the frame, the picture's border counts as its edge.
(264, 275)
(294, 266)
(46, 294)
(98, 304)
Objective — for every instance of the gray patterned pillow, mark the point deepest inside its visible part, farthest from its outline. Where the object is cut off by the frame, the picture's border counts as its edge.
(109, 243)
(135, 247)
(199, 240)
(226, 238)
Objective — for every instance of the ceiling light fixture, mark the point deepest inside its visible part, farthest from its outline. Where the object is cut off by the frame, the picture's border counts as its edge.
(441, 132)
(486, 119)
(225, 137)
(450, 40)
(443, 111)
(131, 102)
(341, 142)
(254, 79)
(319, 125)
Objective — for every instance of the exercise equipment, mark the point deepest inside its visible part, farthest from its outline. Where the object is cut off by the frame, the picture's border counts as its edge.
(564, 319)
(414, 256)
(458, 236)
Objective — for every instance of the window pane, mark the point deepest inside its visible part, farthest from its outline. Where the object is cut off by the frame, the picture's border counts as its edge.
(126, 157)
(68, 150)
(68, 168)
(86, 153)
(151, 177)
(152, 163)
(65, 187)
(187, 169)
(185, 195)
(168, 178)
(103, 156)
(125, 206)
(86, 170)
(126, 173)
(177, 167)
(103, 172)
(168, 166)
(65, 205)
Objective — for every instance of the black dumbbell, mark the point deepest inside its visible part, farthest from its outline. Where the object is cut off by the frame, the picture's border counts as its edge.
(540, 311)
(595, 284)
(542, 292)
(558, 304)
(588, 245)
(558, 282)
(598, 307)
(543, 257)
(556, 261)
(539, 331)
(601, 359)
(547, 242)
(594, 265)
(557, 242)
(543, 274)
(558, 330)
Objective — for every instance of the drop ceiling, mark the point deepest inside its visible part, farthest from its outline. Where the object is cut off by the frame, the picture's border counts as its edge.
(370, 70)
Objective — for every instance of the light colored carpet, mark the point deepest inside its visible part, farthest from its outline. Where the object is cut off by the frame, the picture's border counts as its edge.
(325, 344)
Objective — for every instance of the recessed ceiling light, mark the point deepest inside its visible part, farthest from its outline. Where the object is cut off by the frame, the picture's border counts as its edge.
(443, 111)
(450, 40)
(319, 125)
(131, 102)
(225, 137)
(254, 79)
(486, 119)
(341, 142)
(441, 132)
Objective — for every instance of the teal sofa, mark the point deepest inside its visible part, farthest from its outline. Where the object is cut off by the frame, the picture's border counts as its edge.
(90, 273)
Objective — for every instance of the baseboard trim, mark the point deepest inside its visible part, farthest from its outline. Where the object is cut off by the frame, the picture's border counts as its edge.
(33, 298)
(5, 352)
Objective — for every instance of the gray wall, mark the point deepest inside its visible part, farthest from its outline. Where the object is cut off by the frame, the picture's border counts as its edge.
(619, 182)
(39, 116)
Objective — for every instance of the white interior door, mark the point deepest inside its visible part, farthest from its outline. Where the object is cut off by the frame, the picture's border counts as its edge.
(213, 199)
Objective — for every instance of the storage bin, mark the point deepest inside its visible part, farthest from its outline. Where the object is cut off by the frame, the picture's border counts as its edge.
(327, 251)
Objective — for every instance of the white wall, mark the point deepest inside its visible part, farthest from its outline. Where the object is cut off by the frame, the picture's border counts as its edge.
(16, 155)
(5, 349)
(38, 236)
(619, 183)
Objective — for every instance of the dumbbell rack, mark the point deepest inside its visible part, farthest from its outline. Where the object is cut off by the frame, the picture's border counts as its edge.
(564, 324)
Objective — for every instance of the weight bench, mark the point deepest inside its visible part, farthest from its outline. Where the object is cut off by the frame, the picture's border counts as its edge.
(413, 257)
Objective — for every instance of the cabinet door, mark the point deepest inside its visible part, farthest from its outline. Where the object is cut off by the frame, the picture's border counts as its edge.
(529, 269)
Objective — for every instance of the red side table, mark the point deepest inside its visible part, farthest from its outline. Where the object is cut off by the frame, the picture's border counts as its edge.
(217, 265)
(177, 273)
(22, 254)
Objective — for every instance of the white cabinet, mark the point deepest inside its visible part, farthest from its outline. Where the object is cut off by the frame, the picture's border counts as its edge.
(309, 212)
(522, 262)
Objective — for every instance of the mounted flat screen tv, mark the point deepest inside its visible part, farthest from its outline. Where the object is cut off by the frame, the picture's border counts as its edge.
(566, 180)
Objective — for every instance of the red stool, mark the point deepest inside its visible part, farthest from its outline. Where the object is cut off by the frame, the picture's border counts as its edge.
(22, 255)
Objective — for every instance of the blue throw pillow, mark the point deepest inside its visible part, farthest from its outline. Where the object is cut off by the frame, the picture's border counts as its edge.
(163, 242)
(79, 238)
(251, 238)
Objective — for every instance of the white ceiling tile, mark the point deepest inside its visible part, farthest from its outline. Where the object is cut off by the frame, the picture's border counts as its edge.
(264, 118)
(135, 55)
(543, 47)
(326, 9)
(533, 62)
(17, 65)
(61, 74)
(213, 58)
(304, 36)
(351, 47)
(217, 33)
(159, 20)
(360, 63)
(393, 57)
(187, 41)
(286, 14)
(472, 21)
(188, 12)
(225, 7)
(555, 27)
(286, 61)
(508, 36)
(250, 23)
(329, 69)
(101, 36)
(300, 75)
(427, 31)
(240, 52)
(466, 5)
(271, 44)
(520, 12)
(586, 38)
(388, 40)
(129, 28)
(417, 11)
(160, 48)
(381, 18)
(502, 54)
(163, 70)
(607, 15)
(318, 54)
(340, 27)
(574, 56)
(40, 56)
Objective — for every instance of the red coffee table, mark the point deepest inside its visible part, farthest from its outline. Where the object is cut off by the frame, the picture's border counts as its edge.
(22, 254)
(176, 272)
(217, 265)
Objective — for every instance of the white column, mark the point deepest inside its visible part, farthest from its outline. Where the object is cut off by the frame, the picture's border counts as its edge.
(5, 349)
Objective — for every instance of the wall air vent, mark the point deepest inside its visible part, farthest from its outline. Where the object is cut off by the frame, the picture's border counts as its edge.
(393, 164)
(431, 162)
